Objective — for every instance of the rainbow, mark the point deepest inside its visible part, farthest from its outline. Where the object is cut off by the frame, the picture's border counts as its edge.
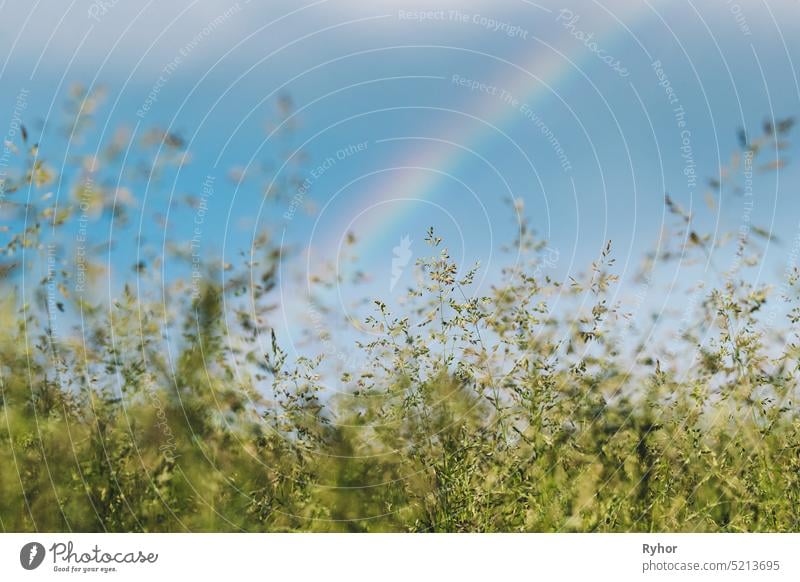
(548, 67)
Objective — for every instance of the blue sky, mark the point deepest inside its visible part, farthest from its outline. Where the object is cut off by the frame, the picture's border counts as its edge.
(416, 114)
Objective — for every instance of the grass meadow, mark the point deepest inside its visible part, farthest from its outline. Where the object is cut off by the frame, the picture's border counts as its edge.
(531, 405)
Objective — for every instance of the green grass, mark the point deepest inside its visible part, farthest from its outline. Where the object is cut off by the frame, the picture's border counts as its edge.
(485, 413)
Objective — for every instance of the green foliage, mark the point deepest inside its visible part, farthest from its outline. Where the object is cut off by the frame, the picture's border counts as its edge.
(489, 412)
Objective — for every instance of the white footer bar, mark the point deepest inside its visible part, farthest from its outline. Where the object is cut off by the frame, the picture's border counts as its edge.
(355, 557)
